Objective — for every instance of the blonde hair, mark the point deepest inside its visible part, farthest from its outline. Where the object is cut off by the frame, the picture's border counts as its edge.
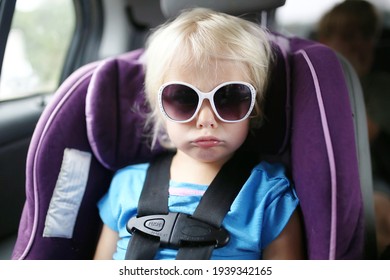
(197, 37)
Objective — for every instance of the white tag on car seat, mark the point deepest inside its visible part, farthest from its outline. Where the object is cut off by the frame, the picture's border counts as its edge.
(68, 193)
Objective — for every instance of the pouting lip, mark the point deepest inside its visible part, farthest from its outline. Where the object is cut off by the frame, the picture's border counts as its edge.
(206, 139)
(207, 142)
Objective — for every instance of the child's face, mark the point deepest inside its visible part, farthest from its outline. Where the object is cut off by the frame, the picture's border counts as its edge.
(206, 138)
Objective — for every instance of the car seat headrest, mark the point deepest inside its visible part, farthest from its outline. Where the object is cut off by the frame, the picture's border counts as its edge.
(171, 8)
(116, 112)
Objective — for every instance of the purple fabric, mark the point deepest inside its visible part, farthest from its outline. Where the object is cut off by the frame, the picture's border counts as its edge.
(310, 162)
(64, 125)
(100, 109)
(115, 112)
(51, 137)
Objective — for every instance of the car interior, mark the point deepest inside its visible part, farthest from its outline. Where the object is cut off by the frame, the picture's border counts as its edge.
(316, 126)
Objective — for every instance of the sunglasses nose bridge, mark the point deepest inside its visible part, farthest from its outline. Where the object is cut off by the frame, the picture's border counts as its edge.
(206, 116)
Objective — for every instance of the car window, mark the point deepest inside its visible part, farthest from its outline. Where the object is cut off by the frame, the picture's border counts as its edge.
(37, 44)
(299, 17)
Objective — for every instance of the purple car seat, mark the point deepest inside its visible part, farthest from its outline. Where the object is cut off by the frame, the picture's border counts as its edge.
(94, 126)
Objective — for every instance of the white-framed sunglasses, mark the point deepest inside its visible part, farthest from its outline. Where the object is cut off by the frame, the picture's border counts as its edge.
(231, 101)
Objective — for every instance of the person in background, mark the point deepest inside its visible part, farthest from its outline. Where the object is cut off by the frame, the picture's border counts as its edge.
(352, 29)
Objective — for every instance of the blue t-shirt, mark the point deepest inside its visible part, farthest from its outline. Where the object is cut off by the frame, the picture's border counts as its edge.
(257, 216)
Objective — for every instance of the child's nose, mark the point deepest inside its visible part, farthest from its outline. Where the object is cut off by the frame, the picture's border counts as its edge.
(206, 116)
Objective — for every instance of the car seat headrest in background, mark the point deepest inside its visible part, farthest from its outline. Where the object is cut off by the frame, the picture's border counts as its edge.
(171, 8)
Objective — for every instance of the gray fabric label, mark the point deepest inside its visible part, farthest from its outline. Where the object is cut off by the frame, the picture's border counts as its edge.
(68, 193)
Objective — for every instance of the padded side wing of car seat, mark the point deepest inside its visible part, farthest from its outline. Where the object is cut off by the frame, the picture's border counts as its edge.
(324, 158)
(60, 126)
(91, 113)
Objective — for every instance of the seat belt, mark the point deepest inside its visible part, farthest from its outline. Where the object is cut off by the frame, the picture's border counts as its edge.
(194, 235)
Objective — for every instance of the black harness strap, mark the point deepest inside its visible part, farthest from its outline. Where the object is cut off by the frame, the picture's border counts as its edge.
(153, 200)
(210, 212)
(217, 200)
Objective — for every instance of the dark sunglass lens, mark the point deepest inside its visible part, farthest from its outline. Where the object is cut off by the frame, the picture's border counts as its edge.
(233, 101)
(179, 102)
